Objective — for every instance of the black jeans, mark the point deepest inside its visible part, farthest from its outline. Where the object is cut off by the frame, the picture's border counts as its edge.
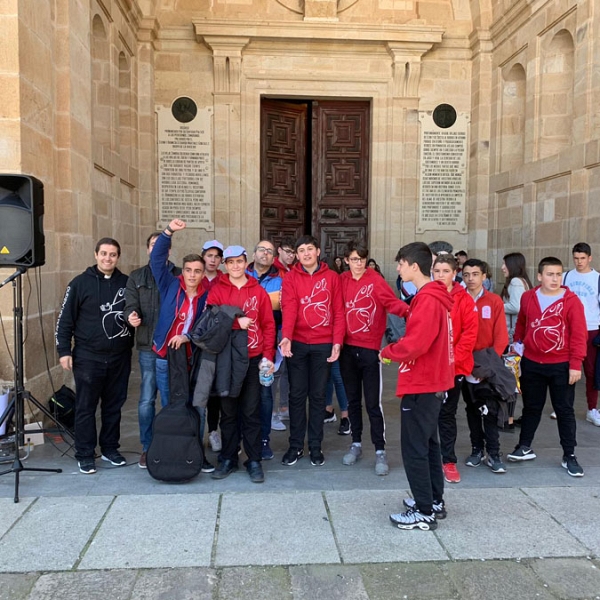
(95, 381)
(308, 372)
(447, 422)
(536, 380)
(213, 411)
(483, 429)
(421, 449)
(361, 372)
(244, 410)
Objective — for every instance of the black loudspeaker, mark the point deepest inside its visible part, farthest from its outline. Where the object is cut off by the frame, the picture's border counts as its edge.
(21, 221)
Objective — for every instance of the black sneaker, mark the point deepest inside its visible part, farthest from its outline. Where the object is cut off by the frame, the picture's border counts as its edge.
(474, 460)
(329, 417)
(291, 456)
(255, 471)
(414, 519)
(87, 466)
(225, 468)
(344, 428)
(521, 453)
(495, 464)
(439, 508)
(114, 458)
(572, 466)
(266, 453)
(207, 467)
(316, 457)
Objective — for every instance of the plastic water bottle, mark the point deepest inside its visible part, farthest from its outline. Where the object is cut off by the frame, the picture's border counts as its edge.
(264, 377)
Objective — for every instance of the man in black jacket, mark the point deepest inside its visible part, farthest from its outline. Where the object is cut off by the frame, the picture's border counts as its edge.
(142, 305)
(92, 315)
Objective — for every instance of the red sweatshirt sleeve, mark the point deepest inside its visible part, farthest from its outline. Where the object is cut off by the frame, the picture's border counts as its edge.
(289, 306)
(521, 326)
(267, 325)
(500, 330)
(392, 305)
(577, 332)
(337, 307)
(467, 336)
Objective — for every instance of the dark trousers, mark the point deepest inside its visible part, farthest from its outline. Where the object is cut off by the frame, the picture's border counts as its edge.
(244, 409)
(361, 372)
(589, 369)
(421, 449)
(536, 380)
(483, 429)
(308, 373)
(213, 410)
(105, 382)
(447, 422)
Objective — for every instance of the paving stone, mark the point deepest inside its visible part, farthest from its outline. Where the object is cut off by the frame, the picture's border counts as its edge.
(502, 523)
(422, 581)
(332, 582)
(575, 509)
(364, 533)
(88, 585)
(274, 529)
(175, 584)
(11, 511)
(16, 587)
(569, 577)
(155, 531)
(52, 534)
(258, 583)
(496, 580)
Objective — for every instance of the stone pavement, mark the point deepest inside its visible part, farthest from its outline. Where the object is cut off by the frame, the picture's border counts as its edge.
(307, 532)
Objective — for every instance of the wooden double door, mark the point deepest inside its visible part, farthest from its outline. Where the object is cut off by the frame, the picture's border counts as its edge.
(315, 171)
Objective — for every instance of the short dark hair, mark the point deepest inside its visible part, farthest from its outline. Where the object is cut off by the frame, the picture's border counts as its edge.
(287, 242)
(357, 246)
(306, 239)
(153, 235)
(107, 241)
(440, 246)
(219, 250)
(447, 259)
(582, 247)
(475, 262)
(188, 258)
(461, 253)
(416, 252)
(550, 261)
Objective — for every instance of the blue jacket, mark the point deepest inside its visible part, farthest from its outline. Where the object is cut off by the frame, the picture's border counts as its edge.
(171, 289)
(271, 282)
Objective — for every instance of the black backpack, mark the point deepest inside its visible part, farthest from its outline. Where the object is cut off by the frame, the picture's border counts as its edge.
(175, 453)
(62, 407)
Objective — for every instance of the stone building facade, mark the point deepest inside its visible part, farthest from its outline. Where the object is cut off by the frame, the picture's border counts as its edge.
(84, 80)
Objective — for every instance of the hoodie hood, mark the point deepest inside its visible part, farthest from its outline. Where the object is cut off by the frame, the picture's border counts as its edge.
(435, 290)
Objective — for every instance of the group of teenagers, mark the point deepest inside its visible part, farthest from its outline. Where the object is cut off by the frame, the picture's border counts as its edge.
(298, 317)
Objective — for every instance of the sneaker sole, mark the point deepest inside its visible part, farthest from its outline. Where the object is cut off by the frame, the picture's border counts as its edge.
(142, 466)
(499, 471)
(207, 470)
(116, 464)
(87, 472)
(317, 464)
(422, 526)
(451, 480)
(221, 475)
(474, 465)
(281, 427)
(382, 474)
(268, 457)
(572, 474)
(292, 463)
(345, 432)
(513, 458)
(592, 422)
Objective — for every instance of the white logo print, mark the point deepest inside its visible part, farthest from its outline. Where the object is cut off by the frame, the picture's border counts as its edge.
(549, 329)
(250, 309)
(113, 322)
(361, 311)
(316, 305)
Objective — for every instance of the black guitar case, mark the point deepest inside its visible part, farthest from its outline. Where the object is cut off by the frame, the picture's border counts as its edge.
(175, 453)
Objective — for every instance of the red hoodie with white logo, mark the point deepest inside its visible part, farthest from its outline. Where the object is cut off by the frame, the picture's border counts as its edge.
(255, 303)
(312, 306)
(366, 303)
(559, 334)
(425, 353)
(465, 324)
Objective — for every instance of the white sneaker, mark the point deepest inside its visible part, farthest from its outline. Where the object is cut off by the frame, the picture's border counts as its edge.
(276, 424)
(214, 439)
(593, 416)
(381, 464)
(352, 455)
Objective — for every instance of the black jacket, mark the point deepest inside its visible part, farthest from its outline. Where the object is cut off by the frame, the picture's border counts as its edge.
(92, 315)
(142, 296)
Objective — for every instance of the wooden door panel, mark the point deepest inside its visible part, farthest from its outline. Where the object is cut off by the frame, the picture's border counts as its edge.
(283, 169)
(340, 177)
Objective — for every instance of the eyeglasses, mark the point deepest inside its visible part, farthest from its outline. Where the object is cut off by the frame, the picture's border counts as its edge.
(357, 259)
(265, 250)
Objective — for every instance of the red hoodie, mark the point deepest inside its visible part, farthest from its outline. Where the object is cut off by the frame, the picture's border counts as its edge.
(366, 302)
(465, 324)
(425, 353)
(492, 332)
(557, 335)
(312, 306)
(255, 303)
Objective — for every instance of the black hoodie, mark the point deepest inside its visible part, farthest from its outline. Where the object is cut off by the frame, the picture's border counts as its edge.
(92, 313)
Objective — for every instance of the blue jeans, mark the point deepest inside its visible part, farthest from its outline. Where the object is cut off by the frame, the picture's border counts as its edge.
(266, 411)
(335, 379)
(147, 403)
(162, 380)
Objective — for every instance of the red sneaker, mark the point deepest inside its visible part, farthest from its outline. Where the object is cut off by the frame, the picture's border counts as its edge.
(451, 474)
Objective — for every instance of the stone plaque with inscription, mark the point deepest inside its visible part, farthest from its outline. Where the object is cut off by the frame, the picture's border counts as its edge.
(443, 171)
(185, 166)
